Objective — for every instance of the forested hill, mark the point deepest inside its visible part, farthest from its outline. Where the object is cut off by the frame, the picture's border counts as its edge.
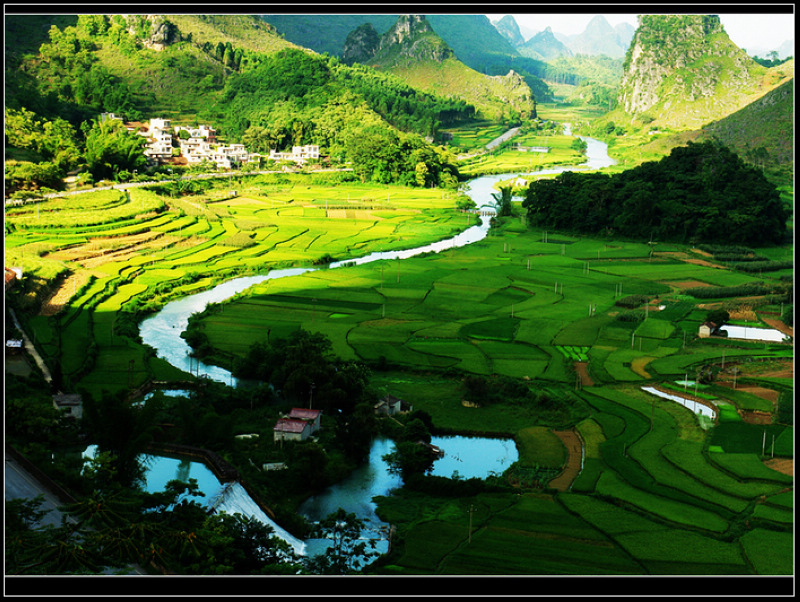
(700, 193)
(473, 39)
(683, 71)
(415, 53)
(233, 73)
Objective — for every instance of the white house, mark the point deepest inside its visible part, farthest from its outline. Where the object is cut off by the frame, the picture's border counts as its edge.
(159, 140)
(299, 154)
(706, 329)
(389, 406)
(71, 404)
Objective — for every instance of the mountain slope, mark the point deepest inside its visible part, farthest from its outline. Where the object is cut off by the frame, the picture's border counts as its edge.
(544, 46)
(473, 39)
(682, 71)
(413, 51)
(599, 38)
(758, 132)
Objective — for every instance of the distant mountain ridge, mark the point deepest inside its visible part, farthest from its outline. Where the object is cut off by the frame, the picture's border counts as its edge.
(544, 46)
(599, 38)
(509, 29)
(414, 52)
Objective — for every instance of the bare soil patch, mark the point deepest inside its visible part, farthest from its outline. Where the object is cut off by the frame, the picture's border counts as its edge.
(782, 465)
(778, 325)
(638, 366)
(61, 297)
(762, 392)
(754, 417)
(582, 368)
(702, 262)
(684, 284)
(574, 446)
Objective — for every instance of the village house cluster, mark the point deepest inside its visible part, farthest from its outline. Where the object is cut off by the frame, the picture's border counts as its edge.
(184, 145)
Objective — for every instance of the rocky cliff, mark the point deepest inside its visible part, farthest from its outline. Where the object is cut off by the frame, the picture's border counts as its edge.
(414, 52)
(684, 71)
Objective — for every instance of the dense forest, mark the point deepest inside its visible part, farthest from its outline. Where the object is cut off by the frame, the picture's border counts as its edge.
(700, 192)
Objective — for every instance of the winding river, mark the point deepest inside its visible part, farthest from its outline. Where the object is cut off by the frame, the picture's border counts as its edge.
(162, 330)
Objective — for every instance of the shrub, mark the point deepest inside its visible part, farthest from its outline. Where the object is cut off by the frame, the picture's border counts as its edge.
(744, 290)
(240, 239)
(632, 301)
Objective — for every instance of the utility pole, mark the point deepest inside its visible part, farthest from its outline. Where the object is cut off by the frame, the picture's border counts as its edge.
(469, 536)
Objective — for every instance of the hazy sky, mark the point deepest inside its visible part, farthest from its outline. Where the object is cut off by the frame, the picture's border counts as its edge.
(748, 31)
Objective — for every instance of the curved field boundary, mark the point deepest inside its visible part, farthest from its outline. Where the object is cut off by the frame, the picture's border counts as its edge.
(574, 444)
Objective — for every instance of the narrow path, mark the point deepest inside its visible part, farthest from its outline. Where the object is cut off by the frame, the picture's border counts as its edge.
(574, 445)
(31, 349)
(502, 138)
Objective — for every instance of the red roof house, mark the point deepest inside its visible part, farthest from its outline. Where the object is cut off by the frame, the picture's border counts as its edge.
(292, 430)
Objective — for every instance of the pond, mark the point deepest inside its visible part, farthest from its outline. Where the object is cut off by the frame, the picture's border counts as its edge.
(469, 457)
(229, 497)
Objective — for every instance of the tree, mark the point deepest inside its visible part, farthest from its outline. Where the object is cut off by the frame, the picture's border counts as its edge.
(409, 458)
(503, 200)
(412, 454)
(111, 148)
(123, 431)
(347, 553)
(130, 527)
(718, 316)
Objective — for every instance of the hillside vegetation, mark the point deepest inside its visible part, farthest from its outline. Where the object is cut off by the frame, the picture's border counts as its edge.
(683, 71)
(416, 54)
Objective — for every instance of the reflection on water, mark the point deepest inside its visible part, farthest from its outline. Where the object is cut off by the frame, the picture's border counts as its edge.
(477, 457)
(470, 457)
(473, 457)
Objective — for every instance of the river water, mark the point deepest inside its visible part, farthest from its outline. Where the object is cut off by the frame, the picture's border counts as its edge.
(466, 456)
(162, 330)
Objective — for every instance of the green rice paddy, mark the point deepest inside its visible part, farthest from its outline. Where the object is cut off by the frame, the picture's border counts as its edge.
(655, 494)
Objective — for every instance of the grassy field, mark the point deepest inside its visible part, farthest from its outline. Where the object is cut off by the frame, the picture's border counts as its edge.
(138, 245)
(659, 491)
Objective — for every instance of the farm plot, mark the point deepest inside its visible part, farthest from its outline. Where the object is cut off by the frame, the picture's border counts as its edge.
(537, 536)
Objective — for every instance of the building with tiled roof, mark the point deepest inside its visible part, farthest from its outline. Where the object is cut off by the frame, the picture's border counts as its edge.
(286, 429)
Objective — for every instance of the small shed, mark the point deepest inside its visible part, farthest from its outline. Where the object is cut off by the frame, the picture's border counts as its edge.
(70, 404)
(11, 276)
(707, 329)
(389, 406)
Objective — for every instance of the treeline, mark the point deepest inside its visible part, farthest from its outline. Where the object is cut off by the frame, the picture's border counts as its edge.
(702, 192)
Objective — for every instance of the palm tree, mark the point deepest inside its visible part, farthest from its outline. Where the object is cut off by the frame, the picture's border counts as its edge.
(503, 200)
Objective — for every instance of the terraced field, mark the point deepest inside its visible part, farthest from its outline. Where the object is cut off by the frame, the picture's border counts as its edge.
(114, 253)
(660, 490)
